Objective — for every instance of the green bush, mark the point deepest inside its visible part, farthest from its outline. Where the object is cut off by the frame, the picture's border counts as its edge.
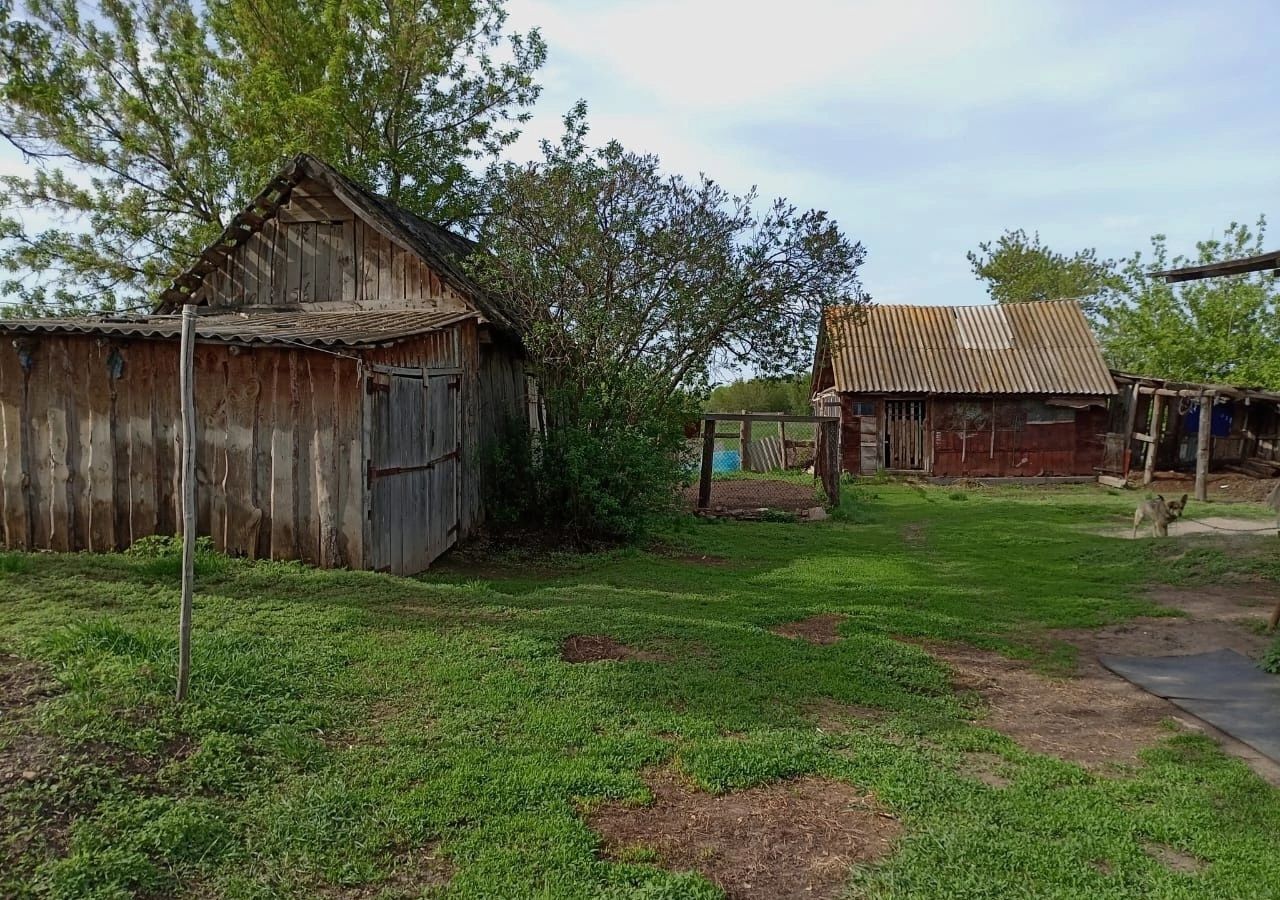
(598, 474)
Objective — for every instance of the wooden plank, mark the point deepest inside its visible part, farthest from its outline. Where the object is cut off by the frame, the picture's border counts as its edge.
(708, 462)
(213, 394)
(307, 423)
(398, 290)
(166, 431)
(293, 264)
(57, 470)
(1112, 481)
(82, 360)
(310, 261)
(188, 403)
(766, 417)
(386, 252)
(13, 389)
(347, 259)
(1204, 442)
(136, 413)
(283, 545)
(239, 535)
(1153, 447)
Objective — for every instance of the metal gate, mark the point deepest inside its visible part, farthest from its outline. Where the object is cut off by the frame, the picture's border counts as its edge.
(413, 467)
(904, 435)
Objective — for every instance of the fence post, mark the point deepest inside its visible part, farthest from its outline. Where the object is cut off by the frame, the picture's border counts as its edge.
(744, 444)
(708, 462)
(1154, 432)
(831, 475)
(186, 387)
(1204, 445)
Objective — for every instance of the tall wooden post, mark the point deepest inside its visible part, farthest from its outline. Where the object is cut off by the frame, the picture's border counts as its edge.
(831, 452)
(1203, 443)
(187, 390)
(708, 462)
(744, 443)
(1153, 432)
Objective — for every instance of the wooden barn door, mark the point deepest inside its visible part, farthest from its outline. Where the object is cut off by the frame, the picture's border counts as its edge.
(904, 435)
(413, 467)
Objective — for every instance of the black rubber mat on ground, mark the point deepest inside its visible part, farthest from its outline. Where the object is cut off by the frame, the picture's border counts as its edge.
(1224, 688)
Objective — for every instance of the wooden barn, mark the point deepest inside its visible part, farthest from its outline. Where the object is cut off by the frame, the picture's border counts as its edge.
(348, 378)
(1015, 390)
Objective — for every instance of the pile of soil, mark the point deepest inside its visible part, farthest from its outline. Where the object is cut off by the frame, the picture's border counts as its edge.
(795, 838)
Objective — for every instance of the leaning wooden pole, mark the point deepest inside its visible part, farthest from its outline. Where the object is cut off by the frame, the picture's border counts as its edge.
(187, 388)
(1203, 445)
(1154, 432)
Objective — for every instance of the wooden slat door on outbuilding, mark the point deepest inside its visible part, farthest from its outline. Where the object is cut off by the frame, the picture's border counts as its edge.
(413, 468)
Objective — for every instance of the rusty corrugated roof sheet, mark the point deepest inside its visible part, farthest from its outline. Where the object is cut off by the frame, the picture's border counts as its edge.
(313, 329)
(1014, 348)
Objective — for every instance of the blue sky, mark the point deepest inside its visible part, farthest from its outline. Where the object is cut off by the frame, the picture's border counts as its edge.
(925, 127)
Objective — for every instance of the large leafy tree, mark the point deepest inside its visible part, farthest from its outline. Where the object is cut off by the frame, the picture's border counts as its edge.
(1215, 330)
(148, 123)
(1018, 267)
(606, 264)
(629, 287)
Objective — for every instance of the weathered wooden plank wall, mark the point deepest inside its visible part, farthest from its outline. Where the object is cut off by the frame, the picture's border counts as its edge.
(318, 255)
(90, 453)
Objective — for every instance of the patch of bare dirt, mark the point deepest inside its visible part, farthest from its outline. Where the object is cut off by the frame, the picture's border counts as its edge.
(582, 648)
(1223, 486)
(820, 629)
(835, 717)
(789, 839)
(1217, 617)
(753, 494)
(1094, 718)
(1172, 858)
(913, 534)
(985, 767)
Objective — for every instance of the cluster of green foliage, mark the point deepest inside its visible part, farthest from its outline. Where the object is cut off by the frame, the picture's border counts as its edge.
(359, 734)
(630, 287)
(1019, 268)
(151, 122)
(1215, 330)
(596, 475)
(785, 394)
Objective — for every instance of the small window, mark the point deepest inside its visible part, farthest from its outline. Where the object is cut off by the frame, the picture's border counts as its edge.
(1041, 413)
(865, 408)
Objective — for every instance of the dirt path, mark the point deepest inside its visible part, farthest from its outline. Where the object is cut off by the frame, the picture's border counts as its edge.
(1097, 718)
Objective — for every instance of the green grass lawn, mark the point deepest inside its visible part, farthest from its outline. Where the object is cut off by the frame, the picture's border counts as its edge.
(348, 728)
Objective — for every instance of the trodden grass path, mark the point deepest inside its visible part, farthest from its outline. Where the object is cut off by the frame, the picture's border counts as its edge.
(353, 734)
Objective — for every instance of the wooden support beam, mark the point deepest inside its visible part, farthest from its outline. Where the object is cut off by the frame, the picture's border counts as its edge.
(186, 385)
(1153, 448)
(708, 462)
(744, 444)
(1130, 420)
(1203, 444)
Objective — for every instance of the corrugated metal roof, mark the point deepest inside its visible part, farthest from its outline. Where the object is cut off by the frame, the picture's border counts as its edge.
(314, 329)
(1015, 348)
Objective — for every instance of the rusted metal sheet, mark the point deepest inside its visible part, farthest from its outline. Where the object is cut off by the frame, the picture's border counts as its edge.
(1019, 348)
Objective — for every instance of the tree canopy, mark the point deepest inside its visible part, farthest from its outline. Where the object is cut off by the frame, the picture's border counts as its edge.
(1020, 268)
(786, 394)
(1215, 330)
(150, 122)
(606, 264)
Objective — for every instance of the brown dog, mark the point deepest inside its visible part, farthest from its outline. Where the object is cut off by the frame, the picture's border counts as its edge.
(1161, 512)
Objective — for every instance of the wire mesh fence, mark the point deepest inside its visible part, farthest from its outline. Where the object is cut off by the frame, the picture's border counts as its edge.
(753, 464)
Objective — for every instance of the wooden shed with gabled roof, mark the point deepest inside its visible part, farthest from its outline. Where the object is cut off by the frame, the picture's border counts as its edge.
(1011, 390)
(348, 379)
